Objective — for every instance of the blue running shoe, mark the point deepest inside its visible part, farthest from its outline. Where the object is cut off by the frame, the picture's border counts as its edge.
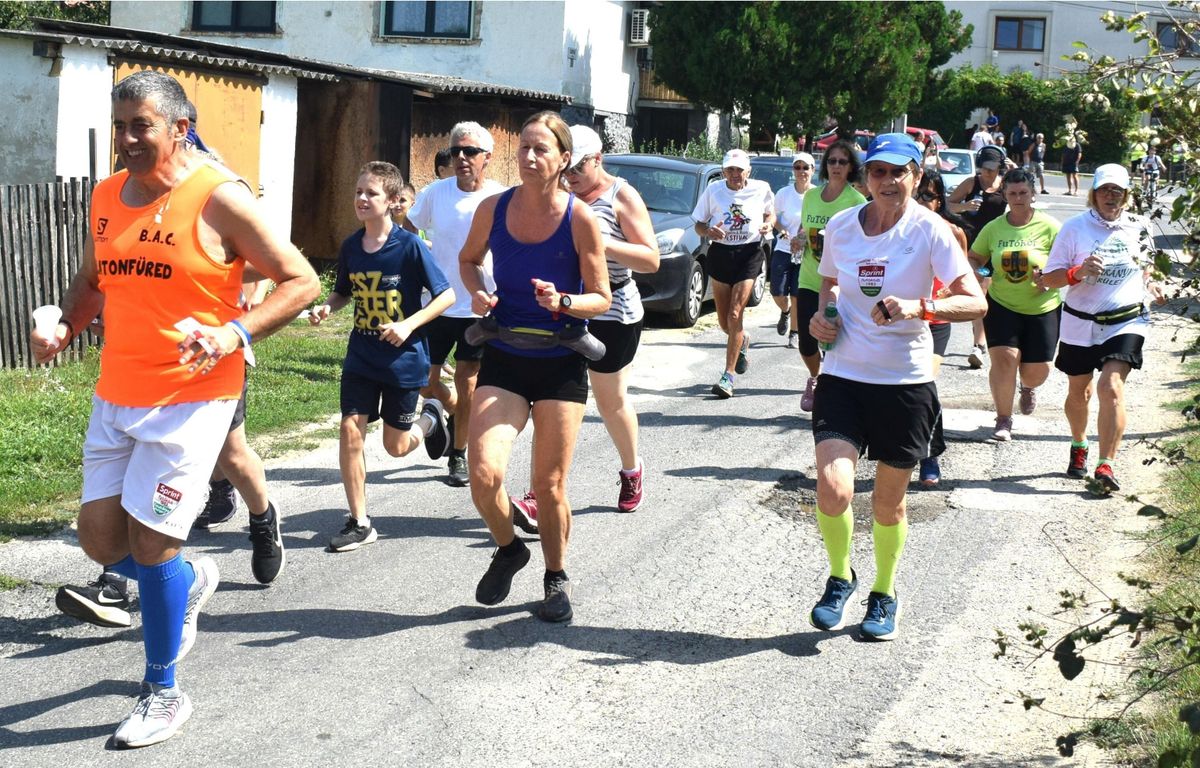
(829, 612)
(880, 623)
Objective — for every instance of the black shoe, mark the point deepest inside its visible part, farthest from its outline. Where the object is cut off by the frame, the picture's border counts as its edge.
(103, 602)
(556, 607)
(268, 557)
(221, 504)
(743, 363)
(436, 440)
(449, 433)
(459, 476)
(781, 327)
(352, 536)
(494, 585)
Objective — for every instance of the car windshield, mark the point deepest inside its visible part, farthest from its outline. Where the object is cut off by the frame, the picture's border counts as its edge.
(662, 190)
(955, 162)
(776, 175)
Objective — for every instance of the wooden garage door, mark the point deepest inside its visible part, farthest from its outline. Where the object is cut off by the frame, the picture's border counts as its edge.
(229, 112)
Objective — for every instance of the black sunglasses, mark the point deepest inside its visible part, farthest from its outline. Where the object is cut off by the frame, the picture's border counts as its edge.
(927, 197)
(837, 161)
(468, 151)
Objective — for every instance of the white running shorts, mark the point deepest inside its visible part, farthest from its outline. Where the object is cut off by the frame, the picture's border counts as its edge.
(158, 460)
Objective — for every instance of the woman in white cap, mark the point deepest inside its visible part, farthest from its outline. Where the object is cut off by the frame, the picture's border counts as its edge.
(876, 394)
(789, 246)
(1105, 255)
(734, 215)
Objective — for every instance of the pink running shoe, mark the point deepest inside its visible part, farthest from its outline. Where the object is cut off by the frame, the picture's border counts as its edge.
(524, 512)
(630, 499)
(810, 390)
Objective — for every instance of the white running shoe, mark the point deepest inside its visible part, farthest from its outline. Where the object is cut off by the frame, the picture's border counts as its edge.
(207, 578)
(158, 715)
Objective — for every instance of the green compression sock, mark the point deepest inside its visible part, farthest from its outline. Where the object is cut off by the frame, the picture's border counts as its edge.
(1083, 444)
(889, 543)
(837, 532)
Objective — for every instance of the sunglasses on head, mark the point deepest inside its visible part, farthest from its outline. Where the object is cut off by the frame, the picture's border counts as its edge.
(468, 151)
(837, 161)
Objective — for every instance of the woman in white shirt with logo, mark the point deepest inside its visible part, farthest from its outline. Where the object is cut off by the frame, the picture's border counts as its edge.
(875, 394)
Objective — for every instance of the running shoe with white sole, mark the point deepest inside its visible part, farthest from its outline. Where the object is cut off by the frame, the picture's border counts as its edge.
(158, 715)
(793, 339)
(524, 513)
(976, 358)
(219, 507)
(103, 602)
(631, 495)
(207, 578)
(1003, 431)
(829, 613)
(437, 439)
(724, 386)
(352, 536)
(267, 556)
(930, 473)
(882, 619)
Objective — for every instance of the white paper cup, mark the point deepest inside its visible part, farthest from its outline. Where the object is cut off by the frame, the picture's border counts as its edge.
(45, 320)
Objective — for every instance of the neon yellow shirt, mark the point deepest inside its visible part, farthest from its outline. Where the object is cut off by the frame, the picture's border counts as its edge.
(1014, 253)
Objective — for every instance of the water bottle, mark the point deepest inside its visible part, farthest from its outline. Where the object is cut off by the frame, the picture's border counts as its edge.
(830, 315)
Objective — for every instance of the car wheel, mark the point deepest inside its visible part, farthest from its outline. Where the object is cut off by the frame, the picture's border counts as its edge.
(760, 288)
(693, 299)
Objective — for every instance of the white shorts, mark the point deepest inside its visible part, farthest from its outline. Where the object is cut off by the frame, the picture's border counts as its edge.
(158, 460)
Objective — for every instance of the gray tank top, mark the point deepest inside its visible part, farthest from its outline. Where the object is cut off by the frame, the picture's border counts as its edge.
(626, 301)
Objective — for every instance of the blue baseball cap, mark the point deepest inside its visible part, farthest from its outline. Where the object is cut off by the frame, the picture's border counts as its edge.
(894, 148)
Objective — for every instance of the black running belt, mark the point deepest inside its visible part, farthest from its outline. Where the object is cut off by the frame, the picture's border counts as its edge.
(614, 287)
(1112, 317)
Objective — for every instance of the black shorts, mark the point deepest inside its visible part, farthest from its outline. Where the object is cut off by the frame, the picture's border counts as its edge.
(896, 424)
(1036, 336)
(620, 344)
(731, 264)
(1074, 360)
(239, 413)
(807, 302)
(941, 337)
(535, 378)
(446, 333)
(362, 396)
(785, 276)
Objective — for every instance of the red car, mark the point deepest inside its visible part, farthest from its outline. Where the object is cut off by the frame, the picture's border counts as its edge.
(863, 138)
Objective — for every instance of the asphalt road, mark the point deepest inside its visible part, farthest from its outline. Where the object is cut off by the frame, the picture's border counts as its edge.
(690, 644)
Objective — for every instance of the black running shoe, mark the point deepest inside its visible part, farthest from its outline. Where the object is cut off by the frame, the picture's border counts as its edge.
(103, 602)
(352, 536)
(556, 607)
(268, 557)
(437, 440)
(743, 363)
(459, 476)
(221, 504)
(496, 582)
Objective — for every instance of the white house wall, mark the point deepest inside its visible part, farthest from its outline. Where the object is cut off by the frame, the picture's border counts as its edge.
(520, 44)
(277, 150)
(84, 101)
(29, 103)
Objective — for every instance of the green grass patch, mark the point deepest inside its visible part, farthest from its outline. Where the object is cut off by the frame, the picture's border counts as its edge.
(8, 582)
(44, 415)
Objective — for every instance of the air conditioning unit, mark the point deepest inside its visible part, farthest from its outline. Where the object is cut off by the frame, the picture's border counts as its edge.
(639, 28)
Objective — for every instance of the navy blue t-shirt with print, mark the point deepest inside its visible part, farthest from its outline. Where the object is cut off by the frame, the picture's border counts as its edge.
(385, 287)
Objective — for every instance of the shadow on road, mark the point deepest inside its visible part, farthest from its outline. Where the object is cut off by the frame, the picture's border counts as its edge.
(40, 632)
(904, 753)
(10, 739)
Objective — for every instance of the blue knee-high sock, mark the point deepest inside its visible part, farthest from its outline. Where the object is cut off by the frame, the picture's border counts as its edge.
(127, 568)
(164, 592)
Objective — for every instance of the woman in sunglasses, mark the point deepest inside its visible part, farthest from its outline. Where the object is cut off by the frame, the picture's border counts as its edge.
(838, 169)
(789, 246)
(876, 394)
(1022, 319)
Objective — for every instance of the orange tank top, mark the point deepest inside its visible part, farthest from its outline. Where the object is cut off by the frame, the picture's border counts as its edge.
(153, 272)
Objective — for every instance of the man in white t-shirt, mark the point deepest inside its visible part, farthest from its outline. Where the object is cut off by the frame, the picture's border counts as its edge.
(875, 394)
(447, 207)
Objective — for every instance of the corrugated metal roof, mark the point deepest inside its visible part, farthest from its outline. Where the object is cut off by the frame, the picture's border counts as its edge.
(223, 55)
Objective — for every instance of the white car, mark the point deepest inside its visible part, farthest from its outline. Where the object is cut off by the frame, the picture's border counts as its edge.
(956, 165)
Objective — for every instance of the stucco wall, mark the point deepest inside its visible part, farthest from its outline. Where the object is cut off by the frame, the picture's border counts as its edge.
(29, 103)
(277, 150)
(522, 44)
(84, 99)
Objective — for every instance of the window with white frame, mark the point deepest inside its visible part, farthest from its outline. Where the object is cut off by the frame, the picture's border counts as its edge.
(428, 18)
(245, 16)
(1020, 34)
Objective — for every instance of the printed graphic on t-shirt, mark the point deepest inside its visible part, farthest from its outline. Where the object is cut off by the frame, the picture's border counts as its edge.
(816, 242)
(1015, 265)
(736, 224)
(870, 279)
(377, 300)
(1118, 262)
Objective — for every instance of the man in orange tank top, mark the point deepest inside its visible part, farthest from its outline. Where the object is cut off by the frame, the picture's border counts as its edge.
(168, 240)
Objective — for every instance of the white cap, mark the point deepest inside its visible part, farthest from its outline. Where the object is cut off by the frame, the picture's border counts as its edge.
(1111, 173)
(584, 142)
(804, 156)
(736, 158)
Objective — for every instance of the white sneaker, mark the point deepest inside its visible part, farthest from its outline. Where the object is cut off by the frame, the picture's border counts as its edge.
(158, 715)
(975, 359)
(207, 578)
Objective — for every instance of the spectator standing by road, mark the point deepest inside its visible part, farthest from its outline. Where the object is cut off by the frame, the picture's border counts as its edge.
(1037, 161)
(1072, 155)
(876, 393)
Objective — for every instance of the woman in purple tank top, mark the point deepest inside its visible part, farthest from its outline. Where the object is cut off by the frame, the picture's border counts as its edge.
(550, 273)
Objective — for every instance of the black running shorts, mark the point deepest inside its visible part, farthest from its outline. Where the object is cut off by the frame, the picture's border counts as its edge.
(731, 264)
(807, 302)
(620, 344)
(446, 333)
(535, 378)
(941, 337)
(1076, 361)
(362, 396)
(896, 424)
(1036, 336)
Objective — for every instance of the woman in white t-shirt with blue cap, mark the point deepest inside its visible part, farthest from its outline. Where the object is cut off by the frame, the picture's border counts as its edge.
(876, 394)
(734, 214)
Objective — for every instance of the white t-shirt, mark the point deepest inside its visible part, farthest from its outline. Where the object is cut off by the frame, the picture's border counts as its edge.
(1127, 248)
(900, 262)
(789, 208)
(739, 213)
(980, 139)
(446, 210)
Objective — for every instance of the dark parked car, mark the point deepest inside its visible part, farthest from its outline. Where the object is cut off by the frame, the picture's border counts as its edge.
(670, 186)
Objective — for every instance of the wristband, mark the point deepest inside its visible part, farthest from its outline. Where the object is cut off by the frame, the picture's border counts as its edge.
(928, 310)
(242, 333)
(1071, 275)
(70, 328)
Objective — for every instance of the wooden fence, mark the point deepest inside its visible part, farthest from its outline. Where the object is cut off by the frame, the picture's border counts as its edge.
(42, 231)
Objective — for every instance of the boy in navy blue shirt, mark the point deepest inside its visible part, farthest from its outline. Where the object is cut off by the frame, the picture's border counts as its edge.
(383, 268)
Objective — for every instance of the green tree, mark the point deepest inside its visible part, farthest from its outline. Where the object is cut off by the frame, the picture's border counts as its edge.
(18, 14)
(796, 65)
